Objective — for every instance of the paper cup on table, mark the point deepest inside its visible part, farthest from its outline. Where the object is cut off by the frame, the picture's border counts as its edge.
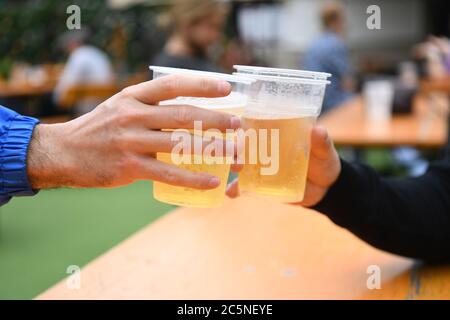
(378, 100)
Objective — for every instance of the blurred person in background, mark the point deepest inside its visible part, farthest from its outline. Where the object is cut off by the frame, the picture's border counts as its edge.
(329, 53)
(434, 54)
(86, 65)
(195, 26)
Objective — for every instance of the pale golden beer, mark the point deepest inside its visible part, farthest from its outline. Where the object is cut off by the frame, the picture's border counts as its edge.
(192, 197)
(189, 197)
(294, 136)
(216, 165)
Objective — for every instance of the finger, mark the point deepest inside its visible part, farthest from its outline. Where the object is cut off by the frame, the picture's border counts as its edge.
(152, 169)
(313, 194)
(324, 165)
(321, 145)
(172, 86)
(181, 142)
(233, 189)
(189, 117)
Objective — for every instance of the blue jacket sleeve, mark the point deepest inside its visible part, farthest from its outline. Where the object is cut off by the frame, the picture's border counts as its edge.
(15, 134)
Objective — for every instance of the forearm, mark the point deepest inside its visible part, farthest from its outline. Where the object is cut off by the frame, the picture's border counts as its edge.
(409, 217)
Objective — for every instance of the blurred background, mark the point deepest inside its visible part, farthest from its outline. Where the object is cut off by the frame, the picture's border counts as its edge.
(49, 71)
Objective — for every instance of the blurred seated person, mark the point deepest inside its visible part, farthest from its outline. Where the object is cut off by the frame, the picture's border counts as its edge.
(86, 65)
(434, 54)
(194, 27)
(328, 53)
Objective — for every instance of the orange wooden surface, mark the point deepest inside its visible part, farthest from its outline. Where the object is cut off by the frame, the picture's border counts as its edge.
(19, 84)
(25, 89)
(249, 249)
(436, 85)
(427, 126)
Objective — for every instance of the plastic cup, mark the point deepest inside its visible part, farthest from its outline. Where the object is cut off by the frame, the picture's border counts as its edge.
(278, 121)
(215, 165)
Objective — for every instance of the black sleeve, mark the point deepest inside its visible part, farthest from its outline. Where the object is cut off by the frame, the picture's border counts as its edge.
(408, 217)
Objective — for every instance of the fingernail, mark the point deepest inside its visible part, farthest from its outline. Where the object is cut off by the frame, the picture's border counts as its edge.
(224, 87)
(322, 131)
(235, 122)
(214, 181)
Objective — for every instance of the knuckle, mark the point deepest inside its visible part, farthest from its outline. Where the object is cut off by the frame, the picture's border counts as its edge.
(171, 83)
(182, 115)
(122, 140)
(127, 92)
(205, 84)
(128, 163)
(168, 176)
(125, 114)
(199, 182)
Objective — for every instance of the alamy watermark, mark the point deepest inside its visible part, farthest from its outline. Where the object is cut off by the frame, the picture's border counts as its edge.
(374, 279)
(373, 21)
(263, 147)
(73, 21)
(73, 281)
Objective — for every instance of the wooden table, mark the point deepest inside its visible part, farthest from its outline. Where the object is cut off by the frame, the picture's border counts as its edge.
(250, 249)
(427, 126)
(20, 85)
(436, 85)
(25, 89)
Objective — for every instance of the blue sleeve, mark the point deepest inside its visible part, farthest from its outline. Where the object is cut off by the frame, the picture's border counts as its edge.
(15, 134)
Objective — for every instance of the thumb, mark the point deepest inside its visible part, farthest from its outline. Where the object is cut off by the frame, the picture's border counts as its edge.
(321, 144)
(324, 164)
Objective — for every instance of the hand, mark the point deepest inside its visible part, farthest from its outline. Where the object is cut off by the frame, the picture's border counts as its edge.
(324, 169)
(116, 143)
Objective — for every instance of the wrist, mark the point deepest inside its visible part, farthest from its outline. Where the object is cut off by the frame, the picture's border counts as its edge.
(47, 161)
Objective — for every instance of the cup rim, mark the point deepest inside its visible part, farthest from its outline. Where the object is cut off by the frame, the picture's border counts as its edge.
(283, 72)
(284, 79)
(215, 75)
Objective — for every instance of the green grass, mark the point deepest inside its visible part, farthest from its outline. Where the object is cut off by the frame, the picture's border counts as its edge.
(41, 236)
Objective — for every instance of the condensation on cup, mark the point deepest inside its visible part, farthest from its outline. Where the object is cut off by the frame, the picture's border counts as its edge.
(281, 113)
(234, 103)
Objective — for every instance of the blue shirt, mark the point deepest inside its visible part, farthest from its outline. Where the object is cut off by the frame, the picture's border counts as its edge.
(15, 134)
(329, 54)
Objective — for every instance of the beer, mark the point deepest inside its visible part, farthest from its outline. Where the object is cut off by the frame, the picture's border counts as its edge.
(189, 197)
(287, 183)
(217, 166)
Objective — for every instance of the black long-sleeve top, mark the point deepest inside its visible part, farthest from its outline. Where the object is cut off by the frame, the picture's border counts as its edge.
(405, 216)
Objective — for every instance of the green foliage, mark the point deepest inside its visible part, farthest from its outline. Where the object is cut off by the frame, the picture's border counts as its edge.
(29, 31)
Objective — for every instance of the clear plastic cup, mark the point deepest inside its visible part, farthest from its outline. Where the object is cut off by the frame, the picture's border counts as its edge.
(278, 121)
(218, 166)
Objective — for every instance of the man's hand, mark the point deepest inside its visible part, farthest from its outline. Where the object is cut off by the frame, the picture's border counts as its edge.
(324, 169)
(116, 143)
